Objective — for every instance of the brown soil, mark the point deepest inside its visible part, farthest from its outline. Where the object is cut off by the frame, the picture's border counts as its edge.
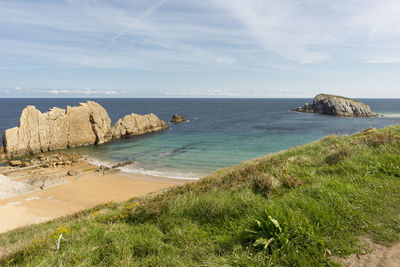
(378, 255)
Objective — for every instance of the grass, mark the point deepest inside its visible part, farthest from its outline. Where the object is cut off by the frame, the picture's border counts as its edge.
(341, 97)
(324, 196)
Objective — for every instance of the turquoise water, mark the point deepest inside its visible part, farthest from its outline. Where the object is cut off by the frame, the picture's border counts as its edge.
(220, 132)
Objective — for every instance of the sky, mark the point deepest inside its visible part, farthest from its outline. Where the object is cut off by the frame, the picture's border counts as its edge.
(208, 48)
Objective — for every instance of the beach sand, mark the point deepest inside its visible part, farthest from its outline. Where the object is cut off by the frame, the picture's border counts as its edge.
(79, 192)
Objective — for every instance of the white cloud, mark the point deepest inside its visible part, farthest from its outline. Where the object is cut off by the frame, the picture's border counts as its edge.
(207, 93)
(85, 91)
(384, 60)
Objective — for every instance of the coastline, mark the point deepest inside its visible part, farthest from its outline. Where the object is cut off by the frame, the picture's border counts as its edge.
(82, 191)
(135, 170)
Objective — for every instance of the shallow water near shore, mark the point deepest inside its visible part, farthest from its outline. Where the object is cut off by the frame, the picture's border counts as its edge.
(219, 133)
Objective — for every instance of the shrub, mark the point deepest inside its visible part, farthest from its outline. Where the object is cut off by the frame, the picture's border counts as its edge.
(266, 233)
(291, 182)
(337, 156)
(264, 184)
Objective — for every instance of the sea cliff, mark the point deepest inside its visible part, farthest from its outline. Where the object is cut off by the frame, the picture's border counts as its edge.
(86, 124)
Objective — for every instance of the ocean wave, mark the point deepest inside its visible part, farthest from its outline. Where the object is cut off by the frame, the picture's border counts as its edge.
(134, 168)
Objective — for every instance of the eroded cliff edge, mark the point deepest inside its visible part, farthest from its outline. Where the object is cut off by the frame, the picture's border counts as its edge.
(86, 124)
(337, 106)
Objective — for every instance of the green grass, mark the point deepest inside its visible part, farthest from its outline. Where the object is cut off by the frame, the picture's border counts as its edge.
(324, 195)
(341, 97)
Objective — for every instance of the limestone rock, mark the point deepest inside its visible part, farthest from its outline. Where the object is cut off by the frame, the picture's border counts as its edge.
(46, 181)
(25, 164)
(122, 164)
(15, 163)
(86, 124)
(176, 118)
(9, 188)
(72, 172)
(135, 124)
(2, 154)
(103, 170)
(337, 106)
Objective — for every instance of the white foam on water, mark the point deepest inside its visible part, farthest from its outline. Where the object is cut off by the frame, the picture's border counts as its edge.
(134, 168)
(139, 170)
(393, 115)
(98, 162)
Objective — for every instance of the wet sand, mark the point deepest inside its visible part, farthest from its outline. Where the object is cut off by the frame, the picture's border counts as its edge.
(77, 193)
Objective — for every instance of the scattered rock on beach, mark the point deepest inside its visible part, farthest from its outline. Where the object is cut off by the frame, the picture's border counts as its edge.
(2, 154)
(176, 118)
(122, 164)
(103, 170)
(46, 181)
(9, 188)
(15, 163)
(56, 160)
(25, 164)
(72, 172)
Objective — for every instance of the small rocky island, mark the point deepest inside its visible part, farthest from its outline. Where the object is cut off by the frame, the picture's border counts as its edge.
(176, 118)
(337, 106)
(86, 124)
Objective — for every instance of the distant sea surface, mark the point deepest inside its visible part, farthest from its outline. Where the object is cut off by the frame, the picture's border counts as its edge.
(219, 133)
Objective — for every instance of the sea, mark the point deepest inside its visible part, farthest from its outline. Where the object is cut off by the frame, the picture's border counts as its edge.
(219, 132)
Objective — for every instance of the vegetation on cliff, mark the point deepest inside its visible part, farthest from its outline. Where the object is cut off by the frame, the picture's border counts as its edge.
(293, 208)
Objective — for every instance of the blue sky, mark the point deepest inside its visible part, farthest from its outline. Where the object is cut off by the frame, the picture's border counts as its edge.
(208, 48)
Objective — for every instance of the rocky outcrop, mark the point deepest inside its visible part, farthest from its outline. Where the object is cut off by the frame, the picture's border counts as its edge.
(10, 188)
(86, 124)
(337, 106)
(135, 124)
(176, 118)
(2, 154)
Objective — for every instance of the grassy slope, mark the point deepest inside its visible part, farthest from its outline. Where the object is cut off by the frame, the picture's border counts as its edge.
(324, 194)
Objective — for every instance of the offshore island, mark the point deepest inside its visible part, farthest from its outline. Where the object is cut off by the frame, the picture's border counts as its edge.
(337, 106)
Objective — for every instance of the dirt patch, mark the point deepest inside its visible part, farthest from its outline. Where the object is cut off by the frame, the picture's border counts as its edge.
(378, 255)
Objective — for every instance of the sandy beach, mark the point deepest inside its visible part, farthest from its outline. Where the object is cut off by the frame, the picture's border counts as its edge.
(74, 193)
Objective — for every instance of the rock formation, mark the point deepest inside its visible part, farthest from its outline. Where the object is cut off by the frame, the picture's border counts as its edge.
(176, 118)
(337, 106)
(2, 154)
(10, 188)
(86, 124)
(135, 124)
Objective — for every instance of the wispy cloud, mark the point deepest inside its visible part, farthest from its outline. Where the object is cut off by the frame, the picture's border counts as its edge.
(85, 92)
(139, 20)
(313, 31)
(281, 27)
(19, 91)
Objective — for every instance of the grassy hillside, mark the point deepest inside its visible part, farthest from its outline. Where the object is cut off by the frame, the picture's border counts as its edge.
(296, 207)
